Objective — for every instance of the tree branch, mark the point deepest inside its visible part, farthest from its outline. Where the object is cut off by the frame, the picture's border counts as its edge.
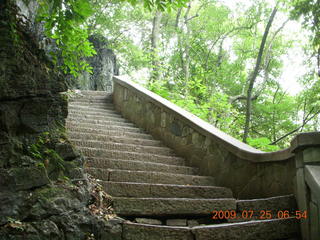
(304, 122)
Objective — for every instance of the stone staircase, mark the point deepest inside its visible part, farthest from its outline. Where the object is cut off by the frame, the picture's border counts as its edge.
(153, 189)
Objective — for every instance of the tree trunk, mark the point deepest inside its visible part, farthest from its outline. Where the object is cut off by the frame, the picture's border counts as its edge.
(254, 75)
(186, 66)
(155, 75)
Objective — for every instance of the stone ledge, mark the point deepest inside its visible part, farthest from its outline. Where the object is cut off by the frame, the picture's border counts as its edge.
(235, 146)
(312, 177)
(303, 140)
(249, 172)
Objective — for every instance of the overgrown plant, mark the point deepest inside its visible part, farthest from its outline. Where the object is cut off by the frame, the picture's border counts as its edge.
(65, 23)
(42, 151)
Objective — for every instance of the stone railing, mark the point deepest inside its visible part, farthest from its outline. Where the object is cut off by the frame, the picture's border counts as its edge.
(306, 147)
(250, 173)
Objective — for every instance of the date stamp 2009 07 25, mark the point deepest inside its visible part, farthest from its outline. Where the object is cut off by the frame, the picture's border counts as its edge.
(262, 214)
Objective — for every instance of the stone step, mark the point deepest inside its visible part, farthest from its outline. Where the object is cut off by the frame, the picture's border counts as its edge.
(273, 204)
(83, 98)
(170, 206)
(92, 103)
(138, 166)
(89, 105)
(109, 118)
(94, 93)
(155, 158)
(86, 99)
(138, 231)
(105, 113)
(93, 110)
(71, 125)
(109, 133)
(114, 175)
(258, 229)
(115, 139)
(94, 114)
(123, 147)
(74, 121)
(151, 190)
(253, 230)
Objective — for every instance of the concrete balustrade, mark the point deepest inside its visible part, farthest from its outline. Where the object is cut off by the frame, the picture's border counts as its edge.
(250, 173)
(306, 147)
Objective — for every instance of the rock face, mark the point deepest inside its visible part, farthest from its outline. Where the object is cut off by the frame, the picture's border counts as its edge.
(104, 66)
(29, 10)
(43, 191)
(104, 63)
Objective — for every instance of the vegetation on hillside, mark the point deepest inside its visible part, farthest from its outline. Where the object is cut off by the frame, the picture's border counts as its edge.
(222, 63)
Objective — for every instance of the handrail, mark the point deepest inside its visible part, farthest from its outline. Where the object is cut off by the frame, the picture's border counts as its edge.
(312, 177)
(235, 146)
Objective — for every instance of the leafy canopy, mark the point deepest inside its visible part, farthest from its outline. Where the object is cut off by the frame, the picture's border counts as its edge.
(66, 21)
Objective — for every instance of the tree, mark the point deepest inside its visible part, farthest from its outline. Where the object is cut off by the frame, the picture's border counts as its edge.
(66, 21)
(155, 75)
(254, 74)
(310, 10)
(209, 59)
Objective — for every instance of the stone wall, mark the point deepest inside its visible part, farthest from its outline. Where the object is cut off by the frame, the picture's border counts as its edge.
(307, 153)
(43, 191)
(248, 172)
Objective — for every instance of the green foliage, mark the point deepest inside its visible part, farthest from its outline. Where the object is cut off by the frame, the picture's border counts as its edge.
(310, 10)
(65, 23)
(15, 224)
(41, 151)
(221, 47)
(159, 4)
(205, 56)
(262, 144)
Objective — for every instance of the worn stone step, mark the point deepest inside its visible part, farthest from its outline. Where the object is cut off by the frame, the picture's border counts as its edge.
(91, 104)
(254, 230)
(170, 206)
(109, 133)
(123, 147)
(273, 204)
(87, 98)
(152, 190)
(92, 99)
(93, 114)
(115, 175)
(115, 139)
(71, 125)
(74, 120)
(138, 166)
(110, 118)
(259, 229)
(92, 110)
(106, 117)
(83, 98)
(98, 152)
(93, 93)
(159, 177)
(138, 231)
